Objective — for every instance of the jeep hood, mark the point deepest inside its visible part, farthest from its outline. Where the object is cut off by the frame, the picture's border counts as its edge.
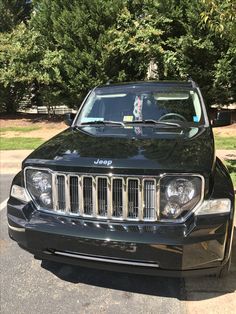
(138, 149)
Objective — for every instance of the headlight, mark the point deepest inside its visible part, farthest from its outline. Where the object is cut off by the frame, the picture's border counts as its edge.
(179, 195)
(181, 189)
(39, 186)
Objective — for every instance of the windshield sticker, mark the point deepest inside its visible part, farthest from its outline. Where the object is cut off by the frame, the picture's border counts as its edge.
(195, 119)
(128, 118)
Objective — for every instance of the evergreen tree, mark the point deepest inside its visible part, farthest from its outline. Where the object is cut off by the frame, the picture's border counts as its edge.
(12, 13)
(77, 30)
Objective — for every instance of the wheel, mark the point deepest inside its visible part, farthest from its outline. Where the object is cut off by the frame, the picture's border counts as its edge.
(225, 269)
(168, 115)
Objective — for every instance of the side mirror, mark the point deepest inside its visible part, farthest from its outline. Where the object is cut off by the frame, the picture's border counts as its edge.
(223, 118)
(69, 118)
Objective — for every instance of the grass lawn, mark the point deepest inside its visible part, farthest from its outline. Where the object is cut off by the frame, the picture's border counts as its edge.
(8, 143)
(228, 142)
(225, 142)
(231, 165)
(19, 142)
(19, 129)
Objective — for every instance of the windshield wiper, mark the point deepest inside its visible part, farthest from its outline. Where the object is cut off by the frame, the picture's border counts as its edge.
(150, 121)
(101, 122)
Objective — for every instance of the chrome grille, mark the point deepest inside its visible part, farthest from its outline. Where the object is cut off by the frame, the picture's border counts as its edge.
(119, 197)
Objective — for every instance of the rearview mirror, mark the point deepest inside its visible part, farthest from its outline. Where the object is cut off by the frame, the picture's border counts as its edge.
(69, 118)
(223, 118)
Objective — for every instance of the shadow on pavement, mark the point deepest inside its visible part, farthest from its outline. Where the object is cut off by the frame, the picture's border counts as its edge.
(195, 288)
(157, 286)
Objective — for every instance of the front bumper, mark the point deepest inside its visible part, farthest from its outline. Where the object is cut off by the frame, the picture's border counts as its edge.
(201, 245)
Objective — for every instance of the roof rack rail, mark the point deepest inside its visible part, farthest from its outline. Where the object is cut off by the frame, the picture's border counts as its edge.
(194, 84)
(109, 82)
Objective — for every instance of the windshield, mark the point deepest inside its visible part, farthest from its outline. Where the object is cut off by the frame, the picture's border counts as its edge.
(134, 106)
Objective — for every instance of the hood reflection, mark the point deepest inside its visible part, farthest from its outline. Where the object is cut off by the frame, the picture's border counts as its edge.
(161, 148)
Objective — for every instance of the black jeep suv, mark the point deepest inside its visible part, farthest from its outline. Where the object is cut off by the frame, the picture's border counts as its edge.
(132, 185)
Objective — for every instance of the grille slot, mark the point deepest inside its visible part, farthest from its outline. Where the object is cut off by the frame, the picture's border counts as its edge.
(61, 204)
(74, 194)
(117, 197)
(133, 198)
(102, 196)
(120, 197)
(88, 195)
(149, 193)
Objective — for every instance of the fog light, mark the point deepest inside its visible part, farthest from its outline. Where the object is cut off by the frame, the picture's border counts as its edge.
(46, 199)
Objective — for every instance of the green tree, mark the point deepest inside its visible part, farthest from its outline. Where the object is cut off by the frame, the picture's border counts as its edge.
(171, 34)
(12, 13)
(68, 47)
(219, 18)
(25, 59)
(136, 40)
(78, 31)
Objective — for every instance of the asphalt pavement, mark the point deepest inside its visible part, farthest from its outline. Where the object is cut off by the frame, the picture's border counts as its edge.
(5, 186)
(32, 286)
